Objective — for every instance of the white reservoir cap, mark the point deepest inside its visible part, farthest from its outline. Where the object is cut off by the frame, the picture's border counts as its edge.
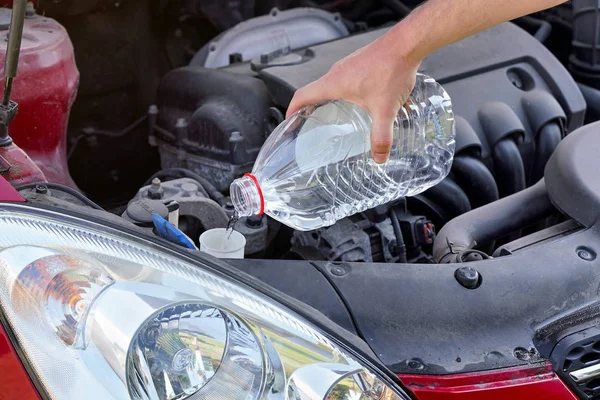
(215, 243)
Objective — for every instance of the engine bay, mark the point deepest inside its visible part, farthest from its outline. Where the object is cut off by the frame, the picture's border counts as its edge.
(155, 107)
(168, 114)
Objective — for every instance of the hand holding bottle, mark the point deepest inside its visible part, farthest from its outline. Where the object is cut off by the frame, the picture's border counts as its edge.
(372, 80)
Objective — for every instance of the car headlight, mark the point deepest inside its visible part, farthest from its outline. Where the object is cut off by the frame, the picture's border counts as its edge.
(101, 314)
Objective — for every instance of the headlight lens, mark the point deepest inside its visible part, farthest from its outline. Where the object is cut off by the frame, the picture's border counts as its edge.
(101, 314)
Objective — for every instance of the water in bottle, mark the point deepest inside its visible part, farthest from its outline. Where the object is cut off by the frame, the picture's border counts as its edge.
(316, 166)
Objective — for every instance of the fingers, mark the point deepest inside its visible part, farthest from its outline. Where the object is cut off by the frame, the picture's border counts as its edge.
(310, 94)
(382, 136)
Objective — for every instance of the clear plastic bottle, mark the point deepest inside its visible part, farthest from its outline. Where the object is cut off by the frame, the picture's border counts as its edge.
(316, 166)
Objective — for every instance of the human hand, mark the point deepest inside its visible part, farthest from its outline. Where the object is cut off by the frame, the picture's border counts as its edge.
(372, 77)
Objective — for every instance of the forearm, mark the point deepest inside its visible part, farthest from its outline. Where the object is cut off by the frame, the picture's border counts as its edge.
(438, 23)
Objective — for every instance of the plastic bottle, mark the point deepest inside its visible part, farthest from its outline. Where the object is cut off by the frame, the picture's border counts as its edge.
(316, 166)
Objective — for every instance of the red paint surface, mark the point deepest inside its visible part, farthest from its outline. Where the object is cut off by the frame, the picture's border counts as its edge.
(45, 88)
(531, 382)
(8, 193)
(14, 380)
(22, 169)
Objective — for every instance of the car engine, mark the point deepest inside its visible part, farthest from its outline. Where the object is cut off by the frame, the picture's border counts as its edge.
(209, 97)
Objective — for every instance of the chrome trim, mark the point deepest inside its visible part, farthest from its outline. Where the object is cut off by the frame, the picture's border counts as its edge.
(586, 373)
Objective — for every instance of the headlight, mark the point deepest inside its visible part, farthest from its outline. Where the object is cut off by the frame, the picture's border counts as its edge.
(100, 314)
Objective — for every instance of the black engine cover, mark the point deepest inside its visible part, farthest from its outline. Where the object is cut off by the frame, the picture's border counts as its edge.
(224, 115)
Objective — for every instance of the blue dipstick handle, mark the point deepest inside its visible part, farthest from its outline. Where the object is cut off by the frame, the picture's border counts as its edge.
(168, 231)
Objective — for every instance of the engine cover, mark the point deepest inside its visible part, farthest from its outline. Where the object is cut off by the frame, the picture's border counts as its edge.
(220, 117)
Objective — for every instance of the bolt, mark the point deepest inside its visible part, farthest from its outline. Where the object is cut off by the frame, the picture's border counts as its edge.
(155, 192)
(181, 123)
(337, 270)
(189, 188)
(41, 189)
(586, 254)
(471, 257)
(415, 364)
(522, 353)
(518, 83)
(30, 10)
(515, 79)
(468, 277)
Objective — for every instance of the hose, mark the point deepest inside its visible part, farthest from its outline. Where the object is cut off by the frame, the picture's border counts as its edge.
(91, 131)
(62, 188)
(545, 143)
(212, 191)
(400, 246)
(509, 165)
(449, 197)
(475, 179)
(491, 221)
(544, 28)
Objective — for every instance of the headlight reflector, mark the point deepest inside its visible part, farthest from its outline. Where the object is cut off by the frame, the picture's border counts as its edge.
(102, 314)
(177, 351)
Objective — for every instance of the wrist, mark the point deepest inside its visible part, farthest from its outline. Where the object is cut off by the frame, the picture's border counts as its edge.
(406, 42)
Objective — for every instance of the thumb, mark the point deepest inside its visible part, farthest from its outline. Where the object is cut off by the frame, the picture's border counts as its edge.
(382, 136)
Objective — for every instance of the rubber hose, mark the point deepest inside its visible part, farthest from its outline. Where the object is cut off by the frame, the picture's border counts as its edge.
(545, 143)
(509, 167)
(544, 28)
(212, 191)
(492, 221)
(475, 179)
(449, 197)
(400, 246)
